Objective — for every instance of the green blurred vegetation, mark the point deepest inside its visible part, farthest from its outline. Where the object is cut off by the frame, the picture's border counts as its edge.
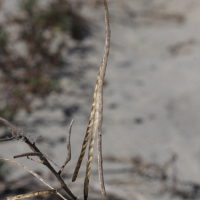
(24, 76)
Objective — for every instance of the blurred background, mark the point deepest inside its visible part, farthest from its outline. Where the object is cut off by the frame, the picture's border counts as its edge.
(50, 54)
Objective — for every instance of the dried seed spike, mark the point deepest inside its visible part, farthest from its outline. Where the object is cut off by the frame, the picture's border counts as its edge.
(85, 141)
(90, 154)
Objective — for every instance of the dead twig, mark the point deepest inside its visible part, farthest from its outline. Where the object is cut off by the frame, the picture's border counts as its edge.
(33, 147)
(36, 139)
(35, 160)
(27, 154)
(50, 160)
(13, 129)
(68, 148)
(7, 139)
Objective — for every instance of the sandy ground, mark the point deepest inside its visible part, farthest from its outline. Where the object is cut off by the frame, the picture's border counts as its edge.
(151, 99)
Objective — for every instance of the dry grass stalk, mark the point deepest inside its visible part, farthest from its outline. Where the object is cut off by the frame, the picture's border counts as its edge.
(100, 96)
(96, 118)
(32, 172)
(23, 196)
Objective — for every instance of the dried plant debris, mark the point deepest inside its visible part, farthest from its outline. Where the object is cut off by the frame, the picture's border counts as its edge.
(165, 174)
(32, 53)
(149, 15)
(181, 48)
(43, 160)
(149, 173)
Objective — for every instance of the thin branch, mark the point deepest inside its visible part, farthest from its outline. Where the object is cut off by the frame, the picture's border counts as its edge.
(100, 97)
(68, 148)
(13, 129)
(30, 154)
(27, 154)
(36, 139)
(50, 160)
(32, 194)
(32, 172)
(35, 160)
(7, 139)
(36, 154)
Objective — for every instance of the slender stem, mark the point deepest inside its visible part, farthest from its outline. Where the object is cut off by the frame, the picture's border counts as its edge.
(68, 148)
(7, 139)
(100, 97)
(32, 194)
(27, 154)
